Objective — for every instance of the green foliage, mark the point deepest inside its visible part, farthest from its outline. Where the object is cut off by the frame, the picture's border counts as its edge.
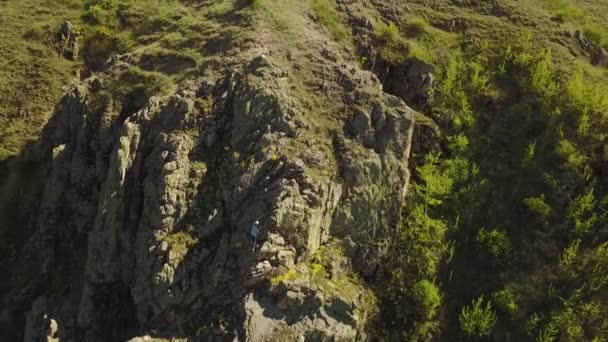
(427, 295)
(452, 94)
(141, 83)
(596, 34)
(418, 26)
(582, 212)
(287, 276)
(388, 33)
(567, 151)
(569, 13)
(480, 81)
(458, 144)
(506, 302)
(529, 153)
(542, 79)
(496, 242)
(568, 257)
(436, 184)
(538, 206)
(180, 242)
(102, 11)
(523, 121)
(573, 321)
(393, 46)
(101, 43)
(477, 319)
(584, 97)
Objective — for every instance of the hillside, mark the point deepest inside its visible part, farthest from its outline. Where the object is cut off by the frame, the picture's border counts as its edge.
(420, 170)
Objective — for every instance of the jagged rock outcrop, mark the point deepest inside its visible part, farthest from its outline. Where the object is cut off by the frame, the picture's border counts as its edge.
(160, 200)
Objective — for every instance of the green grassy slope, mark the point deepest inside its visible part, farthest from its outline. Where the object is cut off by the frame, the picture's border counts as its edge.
(31, 72)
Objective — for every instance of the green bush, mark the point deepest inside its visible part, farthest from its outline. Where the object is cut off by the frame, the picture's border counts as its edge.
(144, 83)
(477, 319)
(495, 242)
(582, 212)
(102, 12)
(101, 43)
(452, 97)
(538, 206)
(418, 26)
(506, 302)
(388, 33)
(427, 295)
(567, 151)
(542, 78)
(458, 144)
(595, 33)
(568, 13)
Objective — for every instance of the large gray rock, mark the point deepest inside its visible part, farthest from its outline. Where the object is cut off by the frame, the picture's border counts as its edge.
(163, 197)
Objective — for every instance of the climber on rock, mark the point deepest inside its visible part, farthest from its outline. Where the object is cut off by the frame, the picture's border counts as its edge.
(254, 231)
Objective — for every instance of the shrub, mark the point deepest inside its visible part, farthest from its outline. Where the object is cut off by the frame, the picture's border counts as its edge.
(529, 153)
(101, 43)
(479, 80)
(495, 242)
(538, 206)
(418, 26)
(452, 95)
(595, 33)
(567, 151)
(388, 33)
(477, 319)
(428, 297)
(568, 13)
(102, 11)
(414, 49)
(458, 144)
(582, 212)
(38, 31)
(569, 255)
(505, 301)
(290, 275)
(542, 80)
(584, 98)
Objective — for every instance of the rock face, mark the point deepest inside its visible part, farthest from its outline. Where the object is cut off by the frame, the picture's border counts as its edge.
(411, 81)
(160, 201)
(67, 39)
(598, 55)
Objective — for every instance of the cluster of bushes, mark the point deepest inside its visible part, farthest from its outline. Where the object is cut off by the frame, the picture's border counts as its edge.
(103, 36)
(523, 154)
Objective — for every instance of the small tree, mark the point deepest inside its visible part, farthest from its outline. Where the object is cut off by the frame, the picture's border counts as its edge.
(477, 319)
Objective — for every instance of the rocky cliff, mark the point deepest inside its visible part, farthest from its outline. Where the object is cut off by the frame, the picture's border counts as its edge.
(141, 228)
